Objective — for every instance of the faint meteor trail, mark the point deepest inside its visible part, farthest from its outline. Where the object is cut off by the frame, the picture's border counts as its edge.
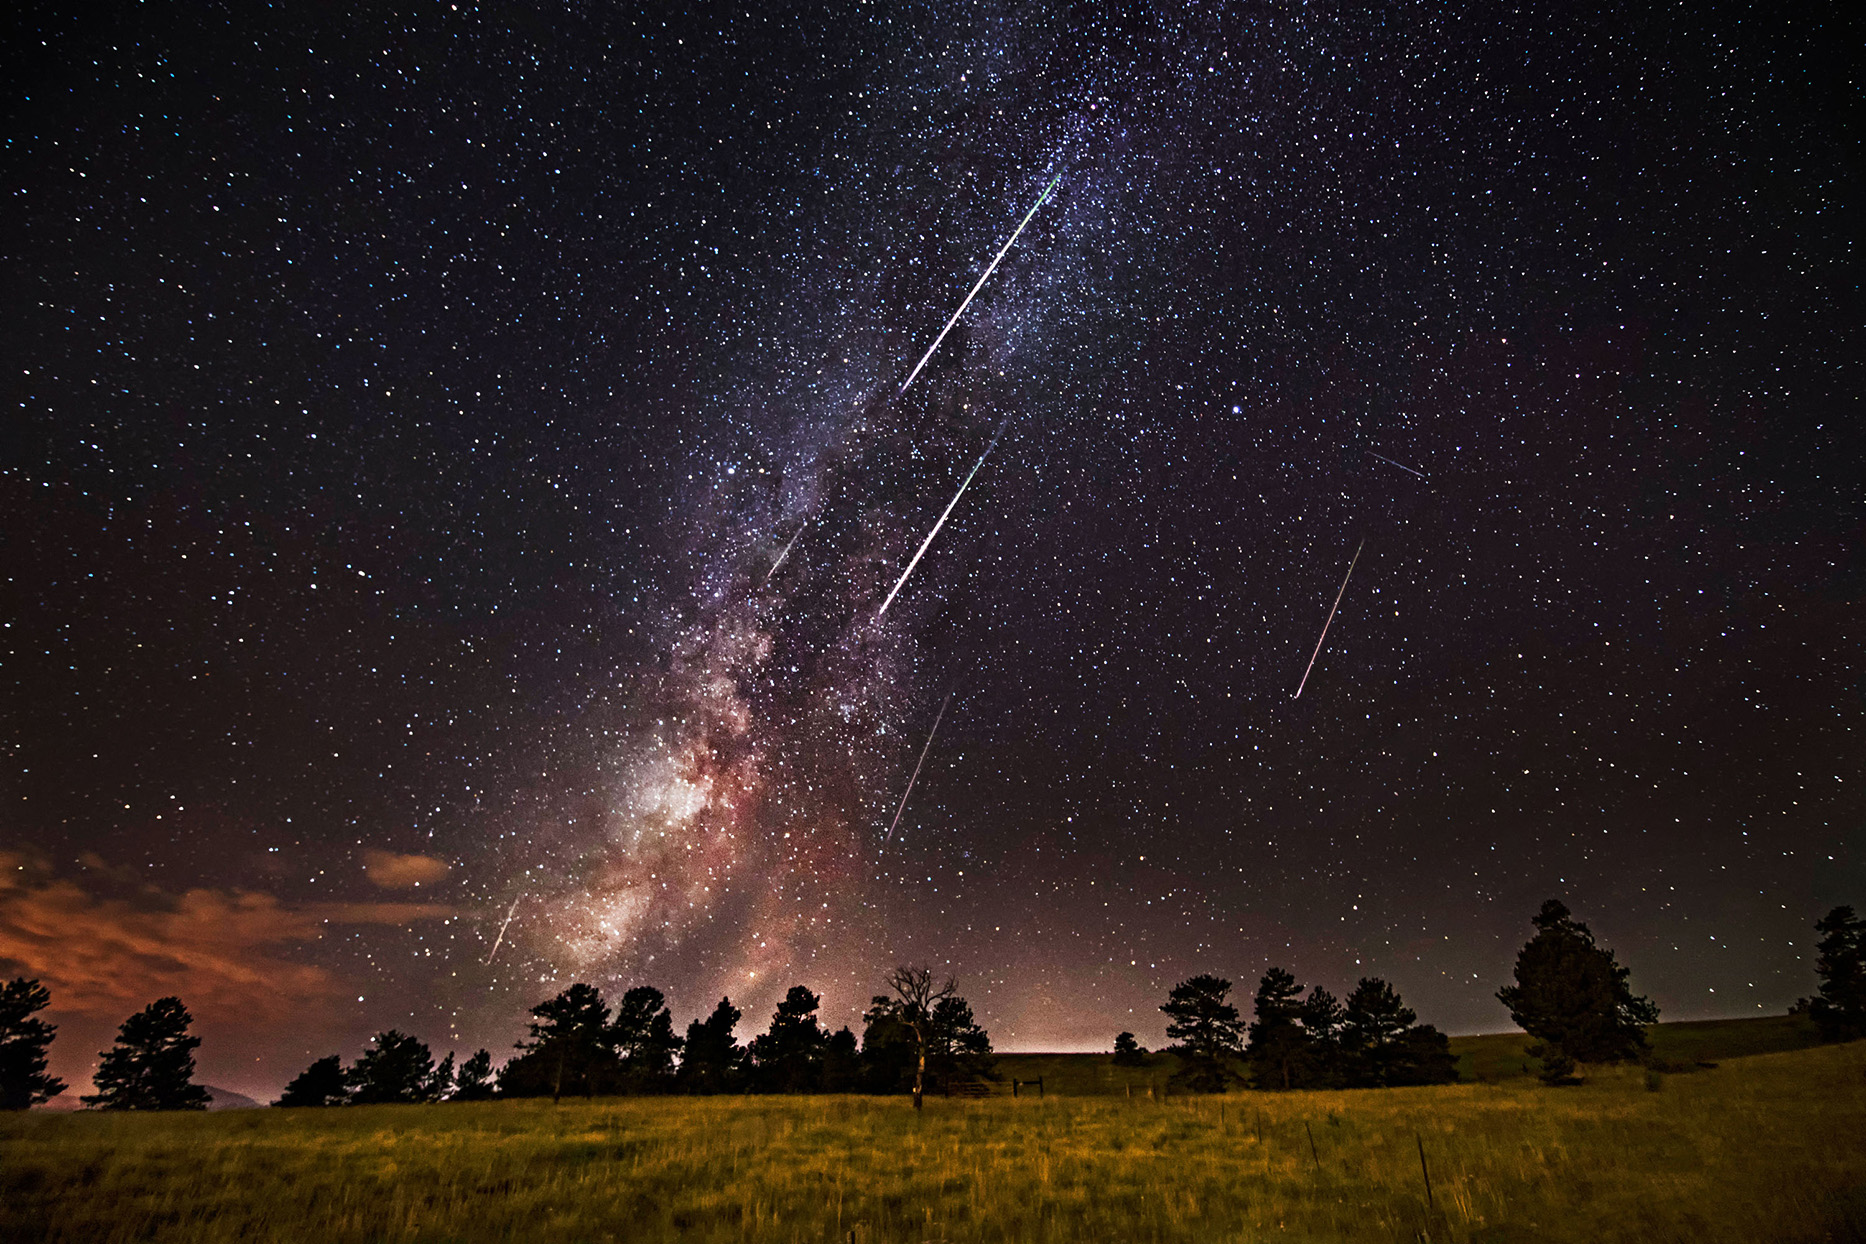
(924, 748)
(993, 267)
(784, 554)
(1331, 617)
(500, 940)
(942, 519)
(1401, 465)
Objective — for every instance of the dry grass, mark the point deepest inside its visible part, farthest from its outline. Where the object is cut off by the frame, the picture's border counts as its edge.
(1762, 1148)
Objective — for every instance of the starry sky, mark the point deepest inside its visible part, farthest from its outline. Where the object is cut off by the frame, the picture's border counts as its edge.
(458, 458)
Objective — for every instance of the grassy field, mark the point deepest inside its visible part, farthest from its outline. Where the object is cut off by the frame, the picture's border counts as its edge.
(1767, 1147)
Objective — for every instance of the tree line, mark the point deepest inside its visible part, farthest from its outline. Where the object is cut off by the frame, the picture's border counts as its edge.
(1373, 1041)
(919, 1039)
(1569, 993)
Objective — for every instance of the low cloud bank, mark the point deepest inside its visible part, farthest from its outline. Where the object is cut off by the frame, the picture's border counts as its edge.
(222, 952)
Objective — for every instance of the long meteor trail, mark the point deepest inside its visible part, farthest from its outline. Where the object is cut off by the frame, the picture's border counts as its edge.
(784, 554)
(500, 940)
(1401, 465)
(981, 282)
(942, 519)
(924, 748)
(1331, 617)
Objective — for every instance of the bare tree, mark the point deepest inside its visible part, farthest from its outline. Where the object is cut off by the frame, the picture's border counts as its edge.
(914, 987)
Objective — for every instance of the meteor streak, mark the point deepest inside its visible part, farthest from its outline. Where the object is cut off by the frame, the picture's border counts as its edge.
(923, 759)
(1331, 616)
(500, 940)
(784, 554)
(942, 519)
(981, 282)
(1401, 465)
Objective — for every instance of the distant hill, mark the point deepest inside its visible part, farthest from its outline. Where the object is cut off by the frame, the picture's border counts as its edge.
(1490, 1057)
(227, 1099)
(217, 1099)
(1500, 1056)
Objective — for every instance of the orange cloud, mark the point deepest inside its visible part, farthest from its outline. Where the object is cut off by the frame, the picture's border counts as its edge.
(217, 950)
(399, 872)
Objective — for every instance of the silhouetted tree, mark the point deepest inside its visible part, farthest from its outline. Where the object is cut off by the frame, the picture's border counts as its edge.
(642, 1036)
(1278, 1050)
(151, 1066)
(913, 987)
(1572, 996)
(959, 1049)
(956, 1047)
(712, 1059)
(399, 1068)
(888, 1048)
(1206, 1027)
(23, 1044)
(1840, 1010)
(1423, 1057)
(842, 1062)
(323, 1083)
(788, 1057)
(474, 1083)
(568, 1048)
(1128, 1052)
(1381, 1045)
(440, 1085)
(1322, 1065)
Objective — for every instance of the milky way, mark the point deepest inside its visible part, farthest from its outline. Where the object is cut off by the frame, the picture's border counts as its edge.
(462, 459)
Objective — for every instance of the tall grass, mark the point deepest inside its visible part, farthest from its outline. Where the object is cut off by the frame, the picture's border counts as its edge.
(1762, 1148)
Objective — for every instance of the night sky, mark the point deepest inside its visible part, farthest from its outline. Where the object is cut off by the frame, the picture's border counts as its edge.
(458, 459)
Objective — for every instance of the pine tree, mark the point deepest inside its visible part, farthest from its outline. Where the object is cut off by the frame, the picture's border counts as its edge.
(959, 1049)
(888, 1047)
(1381, 1045)
(713, 1058)
(1423, 1057)
(1321, 1065)
(1572, 996)
(151, 1066)
(1128, 1052)
(643, 1037)
(1207, 1028)
(323, 1083)
(23, 1044)
(1372, 1025)
(842, 1062)
(788, 1057)
(1278, 1050)
(474, 1083)
(399, 1069)
(440, 1083)
(569, 1048)
(1840, 1010)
